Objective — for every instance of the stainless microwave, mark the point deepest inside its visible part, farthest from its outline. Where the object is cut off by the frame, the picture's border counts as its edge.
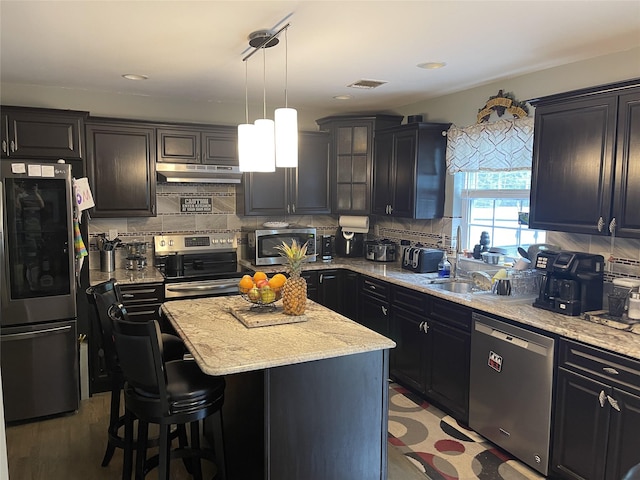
(261, 244)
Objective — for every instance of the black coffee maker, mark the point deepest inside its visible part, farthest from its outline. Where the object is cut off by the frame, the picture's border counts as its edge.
(349, 244)
(572, 282)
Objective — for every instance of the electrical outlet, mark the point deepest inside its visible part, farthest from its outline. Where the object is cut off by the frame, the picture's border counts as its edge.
(113, 233)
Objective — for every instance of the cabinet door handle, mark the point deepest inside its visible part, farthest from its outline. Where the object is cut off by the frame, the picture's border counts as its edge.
(600, 224)
(4, 146)
(288, 208)
(602, 397)
(321, 277)
(13, 146)
(420, 327)
(610, 370)
(390, 209)
(384, 310)
(614, 403)
(612, 225)
(425, 327)
(293, 207)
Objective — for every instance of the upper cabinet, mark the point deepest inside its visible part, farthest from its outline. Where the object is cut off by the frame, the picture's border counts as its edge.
(42, 133)
(409, 171)
(211, 145)
(295, 191)
(586, 161)
(352, 158)
(121, 157)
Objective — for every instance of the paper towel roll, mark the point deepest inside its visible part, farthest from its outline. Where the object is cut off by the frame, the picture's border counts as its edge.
(354, 224)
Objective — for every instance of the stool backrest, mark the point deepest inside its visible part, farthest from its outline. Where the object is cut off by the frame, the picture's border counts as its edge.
(139, 349)
(103, 296)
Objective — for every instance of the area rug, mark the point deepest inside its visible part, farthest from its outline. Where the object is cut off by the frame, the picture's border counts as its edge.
(442, 448)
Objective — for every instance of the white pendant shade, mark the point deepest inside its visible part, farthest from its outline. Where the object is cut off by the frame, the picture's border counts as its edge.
(247, 154)
(286, 136)
(265, 152)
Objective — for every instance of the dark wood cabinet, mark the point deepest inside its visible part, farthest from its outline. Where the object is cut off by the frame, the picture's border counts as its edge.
(352, 148)
(587, 159)
(121, 160)
(409, 171)
(218, 146)
(596, 413)
(290, 191)
(448, 327)
(408, 361)
(350, 294)
(374, 305)
(330, 292)
(143, 300)
(42, 133)
(311, 276)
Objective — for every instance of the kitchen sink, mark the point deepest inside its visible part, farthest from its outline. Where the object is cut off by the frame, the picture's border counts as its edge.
(457, 287)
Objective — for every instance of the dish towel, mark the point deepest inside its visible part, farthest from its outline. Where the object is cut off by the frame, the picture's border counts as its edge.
(78, 246)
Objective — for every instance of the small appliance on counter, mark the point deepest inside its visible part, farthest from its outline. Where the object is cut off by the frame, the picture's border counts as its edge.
(326, 247)
(349, 244)
(572, 282)
(380, 250)
(421, 259)
(136, 256)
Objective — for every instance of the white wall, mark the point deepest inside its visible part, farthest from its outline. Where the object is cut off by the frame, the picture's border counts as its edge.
(461, 108)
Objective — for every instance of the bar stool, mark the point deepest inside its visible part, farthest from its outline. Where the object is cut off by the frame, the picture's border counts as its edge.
(165, 393)
(102, 296)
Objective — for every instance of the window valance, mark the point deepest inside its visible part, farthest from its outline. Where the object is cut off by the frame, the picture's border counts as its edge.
(502, 145)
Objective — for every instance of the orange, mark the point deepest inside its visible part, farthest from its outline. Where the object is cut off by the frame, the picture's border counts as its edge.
(245, 284)
(259, 276)
(277, 281)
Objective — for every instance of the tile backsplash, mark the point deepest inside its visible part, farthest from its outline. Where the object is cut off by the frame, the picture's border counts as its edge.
(622, 255)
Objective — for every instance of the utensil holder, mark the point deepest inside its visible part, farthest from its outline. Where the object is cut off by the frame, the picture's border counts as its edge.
(107, 260)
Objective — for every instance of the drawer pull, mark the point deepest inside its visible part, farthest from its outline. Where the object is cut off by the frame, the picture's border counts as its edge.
(127, 295)
(603, 398)
(614, 403)
(384, 310)
(610, 370)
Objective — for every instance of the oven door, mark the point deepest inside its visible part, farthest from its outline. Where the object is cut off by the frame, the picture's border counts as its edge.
(268, 254)
(200, 288)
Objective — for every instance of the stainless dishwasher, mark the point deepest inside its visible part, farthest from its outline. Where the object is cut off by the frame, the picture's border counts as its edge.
(510, 392)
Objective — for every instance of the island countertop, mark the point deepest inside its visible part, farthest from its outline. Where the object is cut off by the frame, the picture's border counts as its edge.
(222, 345)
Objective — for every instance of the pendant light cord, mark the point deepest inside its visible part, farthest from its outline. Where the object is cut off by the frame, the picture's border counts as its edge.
(264, 83)
(286, 67)
(246, 90)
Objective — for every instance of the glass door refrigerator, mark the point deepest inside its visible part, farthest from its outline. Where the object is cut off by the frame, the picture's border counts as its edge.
(38, 316)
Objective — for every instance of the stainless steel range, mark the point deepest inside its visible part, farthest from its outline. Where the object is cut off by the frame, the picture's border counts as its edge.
(201, 265)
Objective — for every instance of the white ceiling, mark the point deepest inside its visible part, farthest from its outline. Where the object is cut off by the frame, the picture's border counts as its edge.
(194, 49)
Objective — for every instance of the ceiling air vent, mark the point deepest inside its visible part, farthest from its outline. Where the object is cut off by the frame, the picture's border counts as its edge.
(367, 84)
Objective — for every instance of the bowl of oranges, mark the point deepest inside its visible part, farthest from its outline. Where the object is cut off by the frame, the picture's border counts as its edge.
(260, 290)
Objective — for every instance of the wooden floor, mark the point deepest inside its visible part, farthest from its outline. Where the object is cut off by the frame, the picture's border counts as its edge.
(71, 448)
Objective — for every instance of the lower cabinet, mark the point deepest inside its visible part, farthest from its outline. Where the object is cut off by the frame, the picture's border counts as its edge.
(408, 361)
(143, 300)
(448, 327)
(596, 414)
(374, 305)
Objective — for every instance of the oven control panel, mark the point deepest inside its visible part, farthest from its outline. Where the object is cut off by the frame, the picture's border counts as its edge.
(199, 243)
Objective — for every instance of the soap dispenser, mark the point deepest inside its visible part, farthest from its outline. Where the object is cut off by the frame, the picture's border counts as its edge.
(444, 267)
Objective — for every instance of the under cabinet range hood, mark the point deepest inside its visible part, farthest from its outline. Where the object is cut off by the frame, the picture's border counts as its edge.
(197, 173)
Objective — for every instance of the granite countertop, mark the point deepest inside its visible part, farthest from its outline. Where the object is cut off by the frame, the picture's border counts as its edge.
(518, 309)
(222, 345)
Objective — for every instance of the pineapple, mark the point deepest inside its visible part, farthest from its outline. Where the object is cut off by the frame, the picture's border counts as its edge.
(294, 291)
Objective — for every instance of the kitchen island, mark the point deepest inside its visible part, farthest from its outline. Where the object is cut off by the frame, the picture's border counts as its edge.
(304, 400)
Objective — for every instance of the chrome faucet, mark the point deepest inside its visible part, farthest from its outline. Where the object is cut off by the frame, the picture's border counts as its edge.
(458, 251)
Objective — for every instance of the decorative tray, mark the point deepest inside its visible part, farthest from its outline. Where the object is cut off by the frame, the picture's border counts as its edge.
(252, 318)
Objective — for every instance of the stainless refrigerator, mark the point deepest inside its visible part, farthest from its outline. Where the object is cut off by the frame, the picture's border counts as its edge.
(38, 315)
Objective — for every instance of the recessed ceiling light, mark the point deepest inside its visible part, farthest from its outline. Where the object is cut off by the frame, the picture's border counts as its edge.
(431, 65)
(343, 97)
(134, 76)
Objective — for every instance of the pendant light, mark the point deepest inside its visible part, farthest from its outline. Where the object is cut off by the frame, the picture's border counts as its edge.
(286, 123)
(261, 144)
(265, 153)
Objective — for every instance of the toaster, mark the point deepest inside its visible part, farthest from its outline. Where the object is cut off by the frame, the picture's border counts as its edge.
(421, 260)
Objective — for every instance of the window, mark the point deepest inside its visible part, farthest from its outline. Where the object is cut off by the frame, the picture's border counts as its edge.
(497, 202)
